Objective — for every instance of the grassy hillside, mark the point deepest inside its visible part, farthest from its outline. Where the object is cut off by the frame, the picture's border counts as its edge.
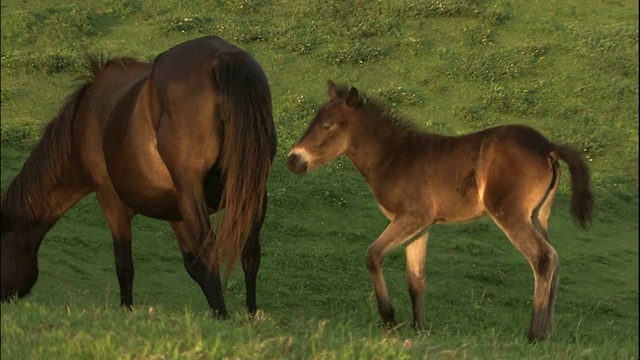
(569, 69)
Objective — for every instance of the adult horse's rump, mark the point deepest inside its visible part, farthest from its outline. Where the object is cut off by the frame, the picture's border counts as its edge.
(180, 138)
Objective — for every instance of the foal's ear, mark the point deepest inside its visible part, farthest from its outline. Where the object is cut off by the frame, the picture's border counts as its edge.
(332, 90)
(353, 98)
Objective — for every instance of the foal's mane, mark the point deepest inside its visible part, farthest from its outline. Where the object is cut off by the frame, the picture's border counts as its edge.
(26, 199)
(384, 115)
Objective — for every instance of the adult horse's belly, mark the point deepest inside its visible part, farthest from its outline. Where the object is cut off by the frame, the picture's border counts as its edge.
(139, 176)
(142, 181)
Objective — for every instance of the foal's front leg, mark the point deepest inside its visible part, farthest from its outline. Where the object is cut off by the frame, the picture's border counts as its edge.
(402, 228)
(416, 252)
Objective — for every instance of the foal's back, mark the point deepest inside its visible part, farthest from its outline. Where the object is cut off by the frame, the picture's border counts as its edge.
(450, 175)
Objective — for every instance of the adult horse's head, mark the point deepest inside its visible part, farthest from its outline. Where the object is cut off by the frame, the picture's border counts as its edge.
(18, 257)
(327, 136)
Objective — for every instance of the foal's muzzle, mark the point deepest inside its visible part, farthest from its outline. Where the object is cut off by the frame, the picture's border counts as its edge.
(297, 164)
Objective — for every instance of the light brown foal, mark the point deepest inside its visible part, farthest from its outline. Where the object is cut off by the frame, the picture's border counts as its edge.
(510, 173)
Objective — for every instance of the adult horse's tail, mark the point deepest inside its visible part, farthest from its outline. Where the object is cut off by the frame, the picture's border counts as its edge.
(249, 142)
(581, 198)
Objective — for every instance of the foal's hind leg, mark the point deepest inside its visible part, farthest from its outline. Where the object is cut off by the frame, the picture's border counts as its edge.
(518, 184)
(251, 256)
(196, 268)
(540, 220)
(543, 259)
(541, 213)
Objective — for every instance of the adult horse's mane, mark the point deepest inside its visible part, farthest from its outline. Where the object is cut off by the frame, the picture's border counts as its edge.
(51, 159)
(384, 114)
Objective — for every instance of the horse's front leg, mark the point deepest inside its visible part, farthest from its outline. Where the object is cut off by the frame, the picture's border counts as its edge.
(403, 228)
(416, 252)
(118, 218)
(208, 280)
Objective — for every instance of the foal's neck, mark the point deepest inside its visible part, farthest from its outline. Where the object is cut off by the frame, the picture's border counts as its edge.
(374, 144)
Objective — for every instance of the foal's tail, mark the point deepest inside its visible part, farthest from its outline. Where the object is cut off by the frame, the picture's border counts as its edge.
(582, 197)
(244, 107)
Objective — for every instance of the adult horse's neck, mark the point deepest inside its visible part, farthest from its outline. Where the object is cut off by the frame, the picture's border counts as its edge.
(38, 197)
(50, 181)
(35, 200)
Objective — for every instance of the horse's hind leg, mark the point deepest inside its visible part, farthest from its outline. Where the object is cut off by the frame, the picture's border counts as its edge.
(416, 252)
(518, 190)
(190, 129)
(543, 260)
(540, 220)
(541, 213)
(251, 256)
(119, 221)
(196, 268)
(195, 238)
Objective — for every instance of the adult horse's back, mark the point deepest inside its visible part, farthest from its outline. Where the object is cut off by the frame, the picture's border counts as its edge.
(178, 139)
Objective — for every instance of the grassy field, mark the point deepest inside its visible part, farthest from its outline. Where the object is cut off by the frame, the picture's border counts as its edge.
(569, 69)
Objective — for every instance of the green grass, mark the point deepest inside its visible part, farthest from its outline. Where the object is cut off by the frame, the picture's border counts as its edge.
(569, 69)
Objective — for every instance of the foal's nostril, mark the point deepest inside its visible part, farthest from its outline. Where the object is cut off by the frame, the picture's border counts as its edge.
(292, 160)
(296, 164)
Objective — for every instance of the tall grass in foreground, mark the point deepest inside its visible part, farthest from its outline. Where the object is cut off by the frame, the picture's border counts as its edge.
(82, 332)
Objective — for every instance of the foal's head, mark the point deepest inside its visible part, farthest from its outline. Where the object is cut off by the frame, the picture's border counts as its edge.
(328, 134)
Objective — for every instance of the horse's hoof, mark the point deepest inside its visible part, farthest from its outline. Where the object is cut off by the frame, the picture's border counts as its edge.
(535, 338)
(390, 325)
(220, 315)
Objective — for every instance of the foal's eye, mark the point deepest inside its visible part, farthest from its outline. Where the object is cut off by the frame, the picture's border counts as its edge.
(326, 126)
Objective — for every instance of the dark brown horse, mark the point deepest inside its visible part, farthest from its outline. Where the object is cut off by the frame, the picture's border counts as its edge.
(178, 139)
(509, 172)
